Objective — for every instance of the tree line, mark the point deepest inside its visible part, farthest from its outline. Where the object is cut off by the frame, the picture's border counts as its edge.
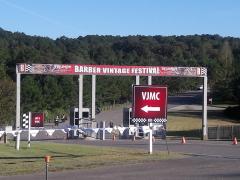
(56, 94)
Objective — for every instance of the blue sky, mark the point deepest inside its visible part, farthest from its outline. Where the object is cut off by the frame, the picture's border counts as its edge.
(73, 18)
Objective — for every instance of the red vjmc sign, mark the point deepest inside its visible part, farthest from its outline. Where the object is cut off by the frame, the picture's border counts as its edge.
(37, 119)
(149, 103)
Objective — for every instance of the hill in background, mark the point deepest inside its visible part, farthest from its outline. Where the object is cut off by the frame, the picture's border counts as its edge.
(55, 94)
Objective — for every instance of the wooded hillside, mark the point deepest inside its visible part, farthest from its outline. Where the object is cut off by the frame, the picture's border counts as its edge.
(55, 94)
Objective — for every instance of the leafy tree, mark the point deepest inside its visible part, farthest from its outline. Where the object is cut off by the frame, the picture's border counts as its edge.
(52, 94)
(69, 91)
(221, 55)
(31, 95)
(7, 102)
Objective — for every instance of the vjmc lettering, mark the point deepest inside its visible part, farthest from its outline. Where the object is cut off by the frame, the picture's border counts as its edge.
(151, 95)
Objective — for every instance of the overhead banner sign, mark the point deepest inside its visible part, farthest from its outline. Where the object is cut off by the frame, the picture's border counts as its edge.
(149, 104)
(76, 69)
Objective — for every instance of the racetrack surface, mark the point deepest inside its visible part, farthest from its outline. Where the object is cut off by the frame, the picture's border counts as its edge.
(203, 160)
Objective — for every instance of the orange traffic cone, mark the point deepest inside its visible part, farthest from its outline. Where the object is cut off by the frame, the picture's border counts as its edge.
(235, 141)
(183, 140)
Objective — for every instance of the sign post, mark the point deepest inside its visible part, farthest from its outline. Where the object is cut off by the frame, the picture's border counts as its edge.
(149, 106)
(47, 160)
(150, 139)
(204, 117)
(18, 103)
(29, 128)
(18, 140)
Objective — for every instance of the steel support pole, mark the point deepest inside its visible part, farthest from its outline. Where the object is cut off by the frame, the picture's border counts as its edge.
(18, 90)
(103, 130)
(80, 100)
(149, 80)
(17, 140)
(93, 96)
(29, 128)
(46, 171)
(150, 139)
(137, 83)
(137, 80)
(150, 125)
(204, 109)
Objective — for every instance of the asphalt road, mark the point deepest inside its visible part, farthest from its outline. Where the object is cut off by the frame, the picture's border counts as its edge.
(187, 98)
(217, 149)
(189, 168)
(204, 160)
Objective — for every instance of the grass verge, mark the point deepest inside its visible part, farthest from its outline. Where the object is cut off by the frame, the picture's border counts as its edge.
(190, 120)
(69, 157)
(189, 123)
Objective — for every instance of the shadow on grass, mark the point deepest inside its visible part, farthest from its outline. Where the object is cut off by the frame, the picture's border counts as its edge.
(212, 114)
(196, 133)
(41, 157)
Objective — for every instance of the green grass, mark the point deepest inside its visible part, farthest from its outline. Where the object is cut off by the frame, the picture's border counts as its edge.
(66, 156)
(189, 123)
(191, 120)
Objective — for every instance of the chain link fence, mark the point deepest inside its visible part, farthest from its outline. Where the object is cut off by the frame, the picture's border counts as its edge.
(224, 132)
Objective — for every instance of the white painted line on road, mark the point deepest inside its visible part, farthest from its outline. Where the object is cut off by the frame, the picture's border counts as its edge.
(210, 155)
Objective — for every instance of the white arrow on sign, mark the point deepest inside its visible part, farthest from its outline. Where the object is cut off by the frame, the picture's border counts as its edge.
(149, 108)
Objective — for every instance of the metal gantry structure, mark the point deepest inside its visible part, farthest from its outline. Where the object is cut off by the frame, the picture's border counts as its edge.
(112, 70)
